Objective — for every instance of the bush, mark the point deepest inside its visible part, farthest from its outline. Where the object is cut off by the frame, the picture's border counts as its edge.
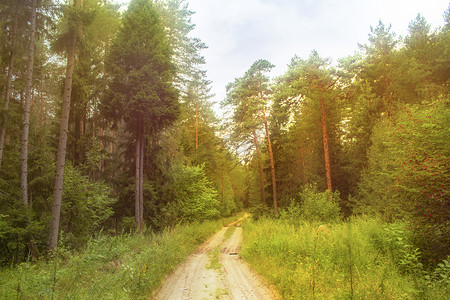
(317, 206)
(85, 206)
(193, 193)
(259, 211)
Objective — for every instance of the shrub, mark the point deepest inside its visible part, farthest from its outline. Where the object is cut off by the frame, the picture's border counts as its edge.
(317, 206)
(85, 206)
(193, 193)
(259, 211)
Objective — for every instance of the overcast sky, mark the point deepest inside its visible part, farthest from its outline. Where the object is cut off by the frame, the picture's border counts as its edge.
(238, 32)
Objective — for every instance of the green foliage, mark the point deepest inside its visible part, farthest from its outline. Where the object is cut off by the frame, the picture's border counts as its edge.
(86, 205)
(408, 172)
(441, 275)
(361, 259)
(193, 194)
(292, 213)
(141, 72)
(119, 267)
(313, 206)
(321, 207)
(259, 211)
(297, 113)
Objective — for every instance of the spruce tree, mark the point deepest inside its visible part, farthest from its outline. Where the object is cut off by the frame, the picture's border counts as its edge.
(141, 90)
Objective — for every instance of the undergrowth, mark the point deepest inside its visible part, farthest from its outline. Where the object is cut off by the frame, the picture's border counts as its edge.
(362, 258)
(120, 267)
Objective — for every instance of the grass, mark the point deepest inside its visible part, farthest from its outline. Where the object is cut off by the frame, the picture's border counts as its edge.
(121, 267)
(358, 259)
(214, 261)
(229, 233)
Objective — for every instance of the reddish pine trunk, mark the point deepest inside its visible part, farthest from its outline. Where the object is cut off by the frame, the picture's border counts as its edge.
(272, 165)
(261, 174)
(325, 147)
(27, 109)
(302, 157)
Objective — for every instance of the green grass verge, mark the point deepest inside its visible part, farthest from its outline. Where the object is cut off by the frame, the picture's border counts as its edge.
(121, 267)
(353, 260)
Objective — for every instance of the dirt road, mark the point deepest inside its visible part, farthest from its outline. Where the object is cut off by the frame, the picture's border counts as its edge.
(215, 271)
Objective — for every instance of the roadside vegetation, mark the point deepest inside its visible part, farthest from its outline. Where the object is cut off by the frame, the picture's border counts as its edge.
(309, 253)
(126, 266)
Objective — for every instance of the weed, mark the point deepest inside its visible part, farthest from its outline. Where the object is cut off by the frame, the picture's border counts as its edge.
(220, 292)
(120, 267)
(229, 233)
(358, 259)
(214, 262)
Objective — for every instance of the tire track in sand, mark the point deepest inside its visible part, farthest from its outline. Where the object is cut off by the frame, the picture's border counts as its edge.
(234, 280)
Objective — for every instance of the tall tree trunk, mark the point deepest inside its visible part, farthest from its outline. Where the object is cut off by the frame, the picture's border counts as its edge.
(196, 126)
(141, 178)
(221, 181)
(272, 164)
(137, 204)
(9, 83)
(101, 166)
(62, 144)
(261, 174)
(27, 108)
(42, 103)
(325, 146)
(302, 163)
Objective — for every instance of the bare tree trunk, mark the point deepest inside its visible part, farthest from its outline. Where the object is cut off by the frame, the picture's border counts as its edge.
(8, 85)
(272, 164)
(42, 103)
(137, 204)
(141, 178)
(302, 162)
(196, 126)
(27, 108)
(261, 174)
(101, 167)
(290, 185)
(62, 145)
(221, 181)
(325, 147)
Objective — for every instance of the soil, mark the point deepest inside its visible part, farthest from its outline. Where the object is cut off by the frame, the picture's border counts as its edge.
(212, 274)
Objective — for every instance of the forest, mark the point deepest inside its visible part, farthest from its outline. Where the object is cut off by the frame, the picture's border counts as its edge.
(107, 129)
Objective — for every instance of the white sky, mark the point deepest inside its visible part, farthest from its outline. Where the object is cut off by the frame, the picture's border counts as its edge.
(238, 32)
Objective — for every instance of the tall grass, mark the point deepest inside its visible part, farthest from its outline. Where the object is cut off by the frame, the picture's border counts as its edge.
(121, 267)
(357, 259)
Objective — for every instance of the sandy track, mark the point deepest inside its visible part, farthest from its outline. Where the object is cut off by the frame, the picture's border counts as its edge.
(194, 279)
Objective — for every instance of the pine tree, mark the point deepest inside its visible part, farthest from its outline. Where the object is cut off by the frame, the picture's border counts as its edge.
(248, 96)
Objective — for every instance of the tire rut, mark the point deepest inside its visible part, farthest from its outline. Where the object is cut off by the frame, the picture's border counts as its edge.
(194, 279)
